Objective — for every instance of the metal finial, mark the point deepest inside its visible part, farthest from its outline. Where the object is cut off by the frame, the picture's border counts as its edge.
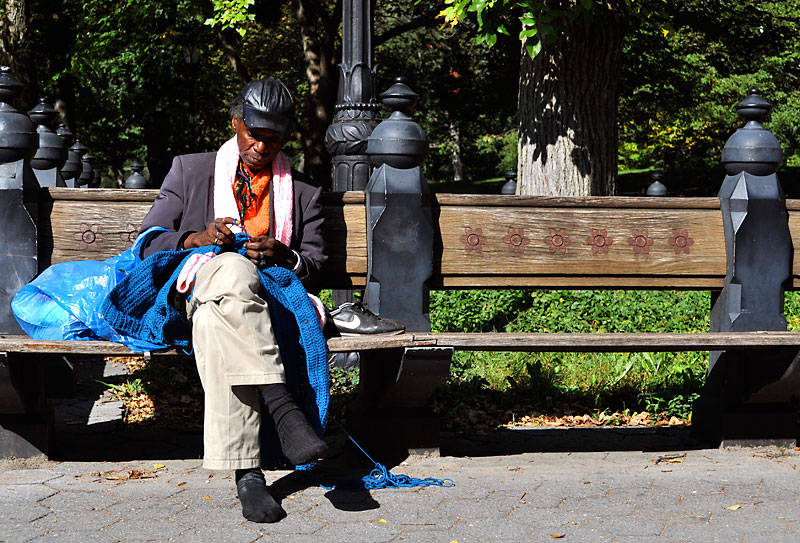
(510, 186)
(398, 141)
(399, 97)
(42, 113)
(9, 86)
(754, 107)
(752, 148)
(656, 188)
(136, 180)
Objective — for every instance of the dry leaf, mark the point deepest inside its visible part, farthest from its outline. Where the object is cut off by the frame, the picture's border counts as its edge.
(159, 466)
(734, 507)
(671, 459)
(381, 520)
(559, 536)
(207, 497)
(181, 483)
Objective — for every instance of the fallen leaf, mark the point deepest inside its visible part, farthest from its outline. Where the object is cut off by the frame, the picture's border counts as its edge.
(454, 541)
(381, 520)
(159, 466)
(734, 507)
(557, 536)
(670, 459)
(139, 474)
(208, 497)
(181, 483)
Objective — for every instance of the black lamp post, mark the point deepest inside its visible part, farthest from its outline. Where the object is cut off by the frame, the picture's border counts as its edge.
(191, 55)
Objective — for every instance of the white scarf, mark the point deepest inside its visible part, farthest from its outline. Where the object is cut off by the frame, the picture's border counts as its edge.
(282, 190)
(225, 206)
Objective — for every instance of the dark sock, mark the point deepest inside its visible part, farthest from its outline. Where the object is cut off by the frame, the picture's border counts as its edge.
(299, 442)
(257, 503)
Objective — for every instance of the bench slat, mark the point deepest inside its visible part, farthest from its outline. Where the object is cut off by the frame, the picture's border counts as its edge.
(79, 224)
(488, 341)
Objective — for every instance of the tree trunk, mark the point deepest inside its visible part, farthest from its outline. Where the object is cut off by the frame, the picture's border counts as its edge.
(156, 138)
(317, 30)
(15, 50)
(230, 46)
(455, 152)
(568, 98)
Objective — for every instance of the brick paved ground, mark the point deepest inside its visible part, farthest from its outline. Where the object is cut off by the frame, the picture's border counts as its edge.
(741, 495)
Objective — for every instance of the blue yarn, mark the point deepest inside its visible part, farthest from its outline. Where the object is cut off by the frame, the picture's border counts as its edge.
(380, 477)
(139, 306)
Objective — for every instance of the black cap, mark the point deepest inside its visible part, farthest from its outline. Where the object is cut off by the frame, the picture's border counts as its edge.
(267, 103)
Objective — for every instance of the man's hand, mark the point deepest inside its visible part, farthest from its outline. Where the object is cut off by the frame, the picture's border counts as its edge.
(217, 233)
(265, 251)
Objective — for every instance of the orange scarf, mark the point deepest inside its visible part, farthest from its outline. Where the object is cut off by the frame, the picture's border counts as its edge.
(256, 215)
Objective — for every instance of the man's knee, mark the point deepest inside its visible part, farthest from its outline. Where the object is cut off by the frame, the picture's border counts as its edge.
(226, 275)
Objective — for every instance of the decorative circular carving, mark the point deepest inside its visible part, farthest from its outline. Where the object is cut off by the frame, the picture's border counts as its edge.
(641, 242)
(599, 241)
(557, 240)
(473, 240)
(681, 241)
(129, 236)
(516, 241)
(89, 237)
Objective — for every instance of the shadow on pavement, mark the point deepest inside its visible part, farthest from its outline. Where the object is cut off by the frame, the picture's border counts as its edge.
(594, 439)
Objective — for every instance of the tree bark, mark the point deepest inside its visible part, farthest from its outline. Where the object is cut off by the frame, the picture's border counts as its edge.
(15, 51)
(231, 48)
(318, 31)
(455, 152)
(568, 98)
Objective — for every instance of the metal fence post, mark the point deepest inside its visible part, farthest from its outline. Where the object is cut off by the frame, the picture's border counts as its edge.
(396, 385)
(52, 152)
(18, 200)
(746, 394)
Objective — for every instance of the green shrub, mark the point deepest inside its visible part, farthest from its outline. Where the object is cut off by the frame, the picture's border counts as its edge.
(595, 380)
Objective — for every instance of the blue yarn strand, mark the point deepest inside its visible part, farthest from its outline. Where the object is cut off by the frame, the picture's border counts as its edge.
(380, 477)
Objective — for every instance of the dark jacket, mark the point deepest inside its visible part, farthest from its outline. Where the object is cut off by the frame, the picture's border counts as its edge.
(186, 205)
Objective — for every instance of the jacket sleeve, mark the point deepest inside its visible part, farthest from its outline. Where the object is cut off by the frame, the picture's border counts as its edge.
(167, 212)
(311, 244)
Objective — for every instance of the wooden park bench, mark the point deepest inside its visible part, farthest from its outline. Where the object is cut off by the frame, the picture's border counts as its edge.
(398, 241)
(483, 242)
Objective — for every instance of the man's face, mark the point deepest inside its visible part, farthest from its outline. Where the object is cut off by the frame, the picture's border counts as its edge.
(257, 146)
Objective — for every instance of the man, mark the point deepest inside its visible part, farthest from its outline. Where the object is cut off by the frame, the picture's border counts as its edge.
(205, 199)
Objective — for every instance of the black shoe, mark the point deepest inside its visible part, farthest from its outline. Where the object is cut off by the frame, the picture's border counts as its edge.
(353, 319)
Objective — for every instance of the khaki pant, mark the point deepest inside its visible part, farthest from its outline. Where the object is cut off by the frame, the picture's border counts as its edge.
(235, 350)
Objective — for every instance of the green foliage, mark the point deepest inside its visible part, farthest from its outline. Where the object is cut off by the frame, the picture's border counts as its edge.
(499, 149)
(343, 381)
(467, 90)
(232, 14)
(679, 88)
(632, 380)
(476, 310)
(539, 21)
(792, 310)
(129, 389)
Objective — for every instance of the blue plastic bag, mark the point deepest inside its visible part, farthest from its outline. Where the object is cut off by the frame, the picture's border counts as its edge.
(64, 301)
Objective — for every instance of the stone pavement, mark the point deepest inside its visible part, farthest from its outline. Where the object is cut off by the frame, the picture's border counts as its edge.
(731, 495)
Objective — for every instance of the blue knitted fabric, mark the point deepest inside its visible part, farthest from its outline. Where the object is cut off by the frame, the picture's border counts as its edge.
(139, 307)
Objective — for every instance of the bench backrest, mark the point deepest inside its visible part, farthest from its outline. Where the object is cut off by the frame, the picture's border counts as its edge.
(482, 241)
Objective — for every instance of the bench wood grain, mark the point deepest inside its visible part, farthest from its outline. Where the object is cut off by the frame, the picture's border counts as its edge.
(487, 341)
